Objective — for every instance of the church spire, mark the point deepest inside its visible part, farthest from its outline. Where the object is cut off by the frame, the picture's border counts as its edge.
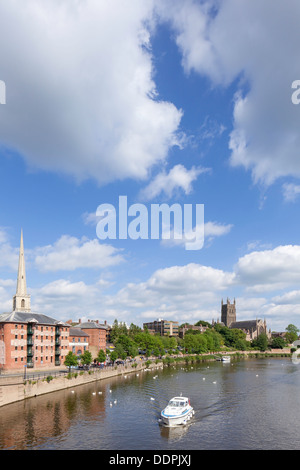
(21, 282)
(21, 301)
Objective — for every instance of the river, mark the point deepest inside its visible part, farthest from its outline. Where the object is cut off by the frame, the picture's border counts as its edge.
(246, 404)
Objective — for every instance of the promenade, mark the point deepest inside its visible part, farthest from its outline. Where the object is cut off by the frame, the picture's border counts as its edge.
(15, 388)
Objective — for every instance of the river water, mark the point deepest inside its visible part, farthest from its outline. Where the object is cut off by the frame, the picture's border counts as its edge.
(246, 404)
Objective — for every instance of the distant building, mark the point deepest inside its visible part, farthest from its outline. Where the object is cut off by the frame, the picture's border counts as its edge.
(29, 339)
(228, 313)
(97, 335)
(78, 341)
(252, 328)
(163, 327)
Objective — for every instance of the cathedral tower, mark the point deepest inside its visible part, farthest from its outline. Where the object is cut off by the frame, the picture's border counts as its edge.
(21, 301)
(228, 313)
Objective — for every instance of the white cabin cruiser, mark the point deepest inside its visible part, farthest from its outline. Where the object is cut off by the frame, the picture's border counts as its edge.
(178, 411)
(225, 358)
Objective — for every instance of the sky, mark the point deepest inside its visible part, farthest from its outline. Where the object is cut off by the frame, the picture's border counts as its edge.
(182, 102)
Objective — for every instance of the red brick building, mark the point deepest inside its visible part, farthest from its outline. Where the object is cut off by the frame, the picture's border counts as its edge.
(78, 341)
(28, 339)
(97, 335)
(32, 340)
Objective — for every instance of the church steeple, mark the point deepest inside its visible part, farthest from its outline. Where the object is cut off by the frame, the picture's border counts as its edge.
(21, 301)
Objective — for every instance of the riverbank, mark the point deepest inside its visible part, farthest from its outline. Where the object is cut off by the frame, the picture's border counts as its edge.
(13, 389)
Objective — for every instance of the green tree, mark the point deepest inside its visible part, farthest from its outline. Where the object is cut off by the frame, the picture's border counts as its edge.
(291, 333)
(117, 329)
(214, 340)
(278, 343)
(261, 342)
(113, 356)
(189, 343)
(70, 360)
(101, 356)
(133, 330)
(120, 351)
(86, 358)
(203, 323)
(128, 345)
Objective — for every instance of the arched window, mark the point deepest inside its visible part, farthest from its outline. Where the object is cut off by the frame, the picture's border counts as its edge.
(23, 303)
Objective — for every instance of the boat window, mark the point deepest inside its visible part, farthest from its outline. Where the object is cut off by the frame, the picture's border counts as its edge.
(176, 403)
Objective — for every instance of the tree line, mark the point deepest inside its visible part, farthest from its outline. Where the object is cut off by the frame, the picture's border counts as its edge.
(133, 341)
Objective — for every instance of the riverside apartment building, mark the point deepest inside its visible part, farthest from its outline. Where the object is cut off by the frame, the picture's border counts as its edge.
(29, 339)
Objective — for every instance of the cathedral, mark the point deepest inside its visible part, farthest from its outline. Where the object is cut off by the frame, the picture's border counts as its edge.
(252, 328)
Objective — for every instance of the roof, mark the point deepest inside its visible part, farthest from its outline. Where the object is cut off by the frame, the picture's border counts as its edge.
(28, 317)
(76, 332)
(246, 325)
(90, 325)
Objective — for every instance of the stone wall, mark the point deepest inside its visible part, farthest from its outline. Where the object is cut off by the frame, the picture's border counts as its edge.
(14, 389)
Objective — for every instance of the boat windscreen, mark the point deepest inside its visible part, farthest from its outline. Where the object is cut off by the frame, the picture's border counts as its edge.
(176, 403)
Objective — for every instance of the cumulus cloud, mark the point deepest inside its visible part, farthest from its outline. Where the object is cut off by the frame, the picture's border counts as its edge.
(265, 284)
(178, 179)
(241, 41)
(269, 269)
(290, 191)
(211, 231)
(178, 291)
(81, 98)
(70, 253)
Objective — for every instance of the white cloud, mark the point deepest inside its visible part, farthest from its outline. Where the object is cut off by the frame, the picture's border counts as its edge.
(290, 191)
(178, 178)
(70, 253)
(211, 230)
(269, 269)
(250, 42)
(185, 293)
(178, 293)
(81, 98)
(292, 297)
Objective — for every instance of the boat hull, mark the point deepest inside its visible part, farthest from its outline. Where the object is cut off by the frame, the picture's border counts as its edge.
(177, 420)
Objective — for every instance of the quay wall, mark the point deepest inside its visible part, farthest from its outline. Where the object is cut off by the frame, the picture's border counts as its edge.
(14, 389)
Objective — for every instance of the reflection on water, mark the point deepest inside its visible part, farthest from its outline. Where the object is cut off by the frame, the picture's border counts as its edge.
(174, 433)
(247, 404)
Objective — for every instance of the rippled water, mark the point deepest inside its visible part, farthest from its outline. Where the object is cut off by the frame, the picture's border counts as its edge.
(253, 404)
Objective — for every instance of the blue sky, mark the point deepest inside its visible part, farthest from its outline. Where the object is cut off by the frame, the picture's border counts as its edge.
(185, 102)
